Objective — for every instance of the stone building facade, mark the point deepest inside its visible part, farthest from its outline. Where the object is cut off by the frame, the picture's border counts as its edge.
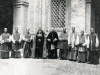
(52, 13)
(81, 14)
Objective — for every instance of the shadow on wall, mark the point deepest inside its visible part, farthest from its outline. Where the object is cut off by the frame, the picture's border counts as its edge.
(6, 15)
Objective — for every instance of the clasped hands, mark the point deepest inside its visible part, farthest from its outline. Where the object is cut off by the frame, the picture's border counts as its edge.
(61, 39)
(53, 40)
(3, 41)
(15, 41)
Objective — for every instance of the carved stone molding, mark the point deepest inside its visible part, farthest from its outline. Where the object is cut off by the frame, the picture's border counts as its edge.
(88, 1)
(18, 3)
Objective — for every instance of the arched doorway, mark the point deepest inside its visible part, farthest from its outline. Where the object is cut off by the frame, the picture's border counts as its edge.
(6, 15)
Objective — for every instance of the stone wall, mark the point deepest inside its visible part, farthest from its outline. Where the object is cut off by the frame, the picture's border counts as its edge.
(39, 15)
(78, 14)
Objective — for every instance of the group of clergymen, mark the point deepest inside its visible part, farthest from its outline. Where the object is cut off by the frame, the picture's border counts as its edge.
(71, 46)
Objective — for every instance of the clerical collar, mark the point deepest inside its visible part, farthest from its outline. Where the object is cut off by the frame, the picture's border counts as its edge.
(27, 32)
(73, 32)
(16, 32)
(92, 33)
(52, 31)
(64, 31)
(5, 32)
(82, 35)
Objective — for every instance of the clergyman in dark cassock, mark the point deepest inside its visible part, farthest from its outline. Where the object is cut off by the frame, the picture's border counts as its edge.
(52, 39)
(27, 44)
(72, 52)
(5, 41)
(16, 40)
(93, 48)
(39, 43)
(81, 42)
(63, 44)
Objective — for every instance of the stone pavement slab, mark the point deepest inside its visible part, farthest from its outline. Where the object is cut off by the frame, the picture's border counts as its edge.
(46, 67)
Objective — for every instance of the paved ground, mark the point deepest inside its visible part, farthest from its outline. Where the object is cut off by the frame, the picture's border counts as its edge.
(46, 67)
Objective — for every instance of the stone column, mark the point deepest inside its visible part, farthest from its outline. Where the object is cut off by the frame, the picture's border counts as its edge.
(20, 15)
(68, 15)
(43, 20)
(49, 14)
(88, 16)
(40, 14)
(35, 15)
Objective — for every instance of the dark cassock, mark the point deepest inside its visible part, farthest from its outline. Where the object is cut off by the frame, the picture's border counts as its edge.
(93, 48)
(39, 43)
(81, 42)
(16, 44)
(52, 39)
(72, 52)
(5, 41)
(27, 44)
(63, 44)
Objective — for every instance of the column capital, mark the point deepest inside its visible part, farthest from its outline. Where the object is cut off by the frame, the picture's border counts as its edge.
(88, 1)
(21, 2)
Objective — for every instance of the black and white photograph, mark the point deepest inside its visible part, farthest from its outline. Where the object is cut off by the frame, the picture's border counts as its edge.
(49, 37)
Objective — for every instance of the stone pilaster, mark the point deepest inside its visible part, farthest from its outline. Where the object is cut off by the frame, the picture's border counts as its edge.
(43, 14)
(20, 15)
(39, 14)
(68, 15)
(88, 16)
(34, 15)
(47, 26)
